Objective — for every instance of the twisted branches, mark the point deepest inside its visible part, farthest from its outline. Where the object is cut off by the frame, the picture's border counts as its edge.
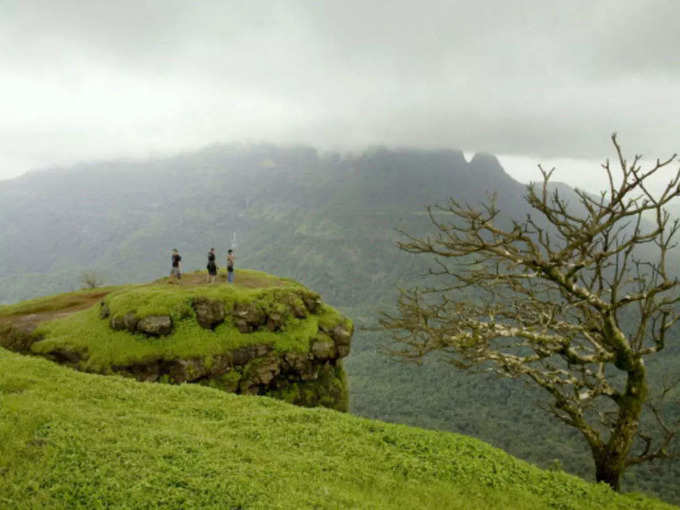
(572, 297)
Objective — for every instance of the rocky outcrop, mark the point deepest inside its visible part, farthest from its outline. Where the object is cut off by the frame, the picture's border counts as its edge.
(18, 337)
(155, 325)
(308, 378)
(342, 337)
(68, 356)
(209, 312)
(298, 378)
(152, 325)
(281, 341)
(324, 349)
(248, 317)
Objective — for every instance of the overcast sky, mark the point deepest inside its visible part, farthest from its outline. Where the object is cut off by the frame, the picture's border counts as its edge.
(529, 80)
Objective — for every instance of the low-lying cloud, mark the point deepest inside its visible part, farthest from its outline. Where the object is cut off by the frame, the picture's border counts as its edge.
(99, 79)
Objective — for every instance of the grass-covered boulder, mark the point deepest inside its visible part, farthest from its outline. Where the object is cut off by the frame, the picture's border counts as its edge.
(262, 335)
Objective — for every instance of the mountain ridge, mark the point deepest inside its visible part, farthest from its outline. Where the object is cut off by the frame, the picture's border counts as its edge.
(56, 219)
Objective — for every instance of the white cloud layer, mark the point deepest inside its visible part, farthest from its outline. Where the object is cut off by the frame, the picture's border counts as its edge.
(97, 79)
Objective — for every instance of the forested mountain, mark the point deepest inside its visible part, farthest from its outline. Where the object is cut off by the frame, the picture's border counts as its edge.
(327, 220)
(291, 210)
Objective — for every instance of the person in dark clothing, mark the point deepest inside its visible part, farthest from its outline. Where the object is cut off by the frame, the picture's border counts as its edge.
(212, 266)
(176, 269)
(230, 266)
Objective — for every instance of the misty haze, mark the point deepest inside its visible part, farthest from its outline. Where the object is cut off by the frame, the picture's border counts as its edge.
(339, 254)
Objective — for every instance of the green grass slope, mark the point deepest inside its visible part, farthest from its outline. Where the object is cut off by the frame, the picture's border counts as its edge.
(74, 440)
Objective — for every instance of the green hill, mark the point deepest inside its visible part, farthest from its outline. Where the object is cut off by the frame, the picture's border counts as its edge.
(75, 440)
(260, 335)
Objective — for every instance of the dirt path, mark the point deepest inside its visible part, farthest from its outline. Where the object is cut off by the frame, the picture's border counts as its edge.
(242, 279)
(27, 320)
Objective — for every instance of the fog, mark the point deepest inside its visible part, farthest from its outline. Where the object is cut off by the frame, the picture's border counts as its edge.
(529, 80)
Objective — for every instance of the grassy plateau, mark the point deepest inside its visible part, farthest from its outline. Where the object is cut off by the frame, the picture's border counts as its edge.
(70, 323)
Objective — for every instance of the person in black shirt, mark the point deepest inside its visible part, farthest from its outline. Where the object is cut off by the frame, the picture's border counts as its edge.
(176, 270)
(212, 266)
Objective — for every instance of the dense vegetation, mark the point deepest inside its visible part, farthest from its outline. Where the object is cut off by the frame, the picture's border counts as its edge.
(75, 440)
(327, 221)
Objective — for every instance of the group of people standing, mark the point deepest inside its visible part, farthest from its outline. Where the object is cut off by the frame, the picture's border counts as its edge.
(176, 269)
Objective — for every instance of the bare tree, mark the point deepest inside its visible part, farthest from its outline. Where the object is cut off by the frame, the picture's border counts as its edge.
(91, 279)
(573, 299)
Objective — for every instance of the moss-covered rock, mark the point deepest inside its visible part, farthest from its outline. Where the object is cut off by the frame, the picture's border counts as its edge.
(228, 381)
(17, 337)
(323, 348)
(259, 372)
(248, 317)
(155, 325)
(329, 389)
(209, 312)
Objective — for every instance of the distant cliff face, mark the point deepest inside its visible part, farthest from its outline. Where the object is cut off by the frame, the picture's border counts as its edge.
(265, 336)
(318, 218)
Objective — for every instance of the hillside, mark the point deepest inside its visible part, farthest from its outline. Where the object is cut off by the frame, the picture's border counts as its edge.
(326, 220)
(260, 335)
(75, 440)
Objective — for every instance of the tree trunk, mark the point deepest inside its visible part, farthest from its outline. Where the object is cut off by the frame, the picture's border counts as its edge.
(609, 471)
(610, 458)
